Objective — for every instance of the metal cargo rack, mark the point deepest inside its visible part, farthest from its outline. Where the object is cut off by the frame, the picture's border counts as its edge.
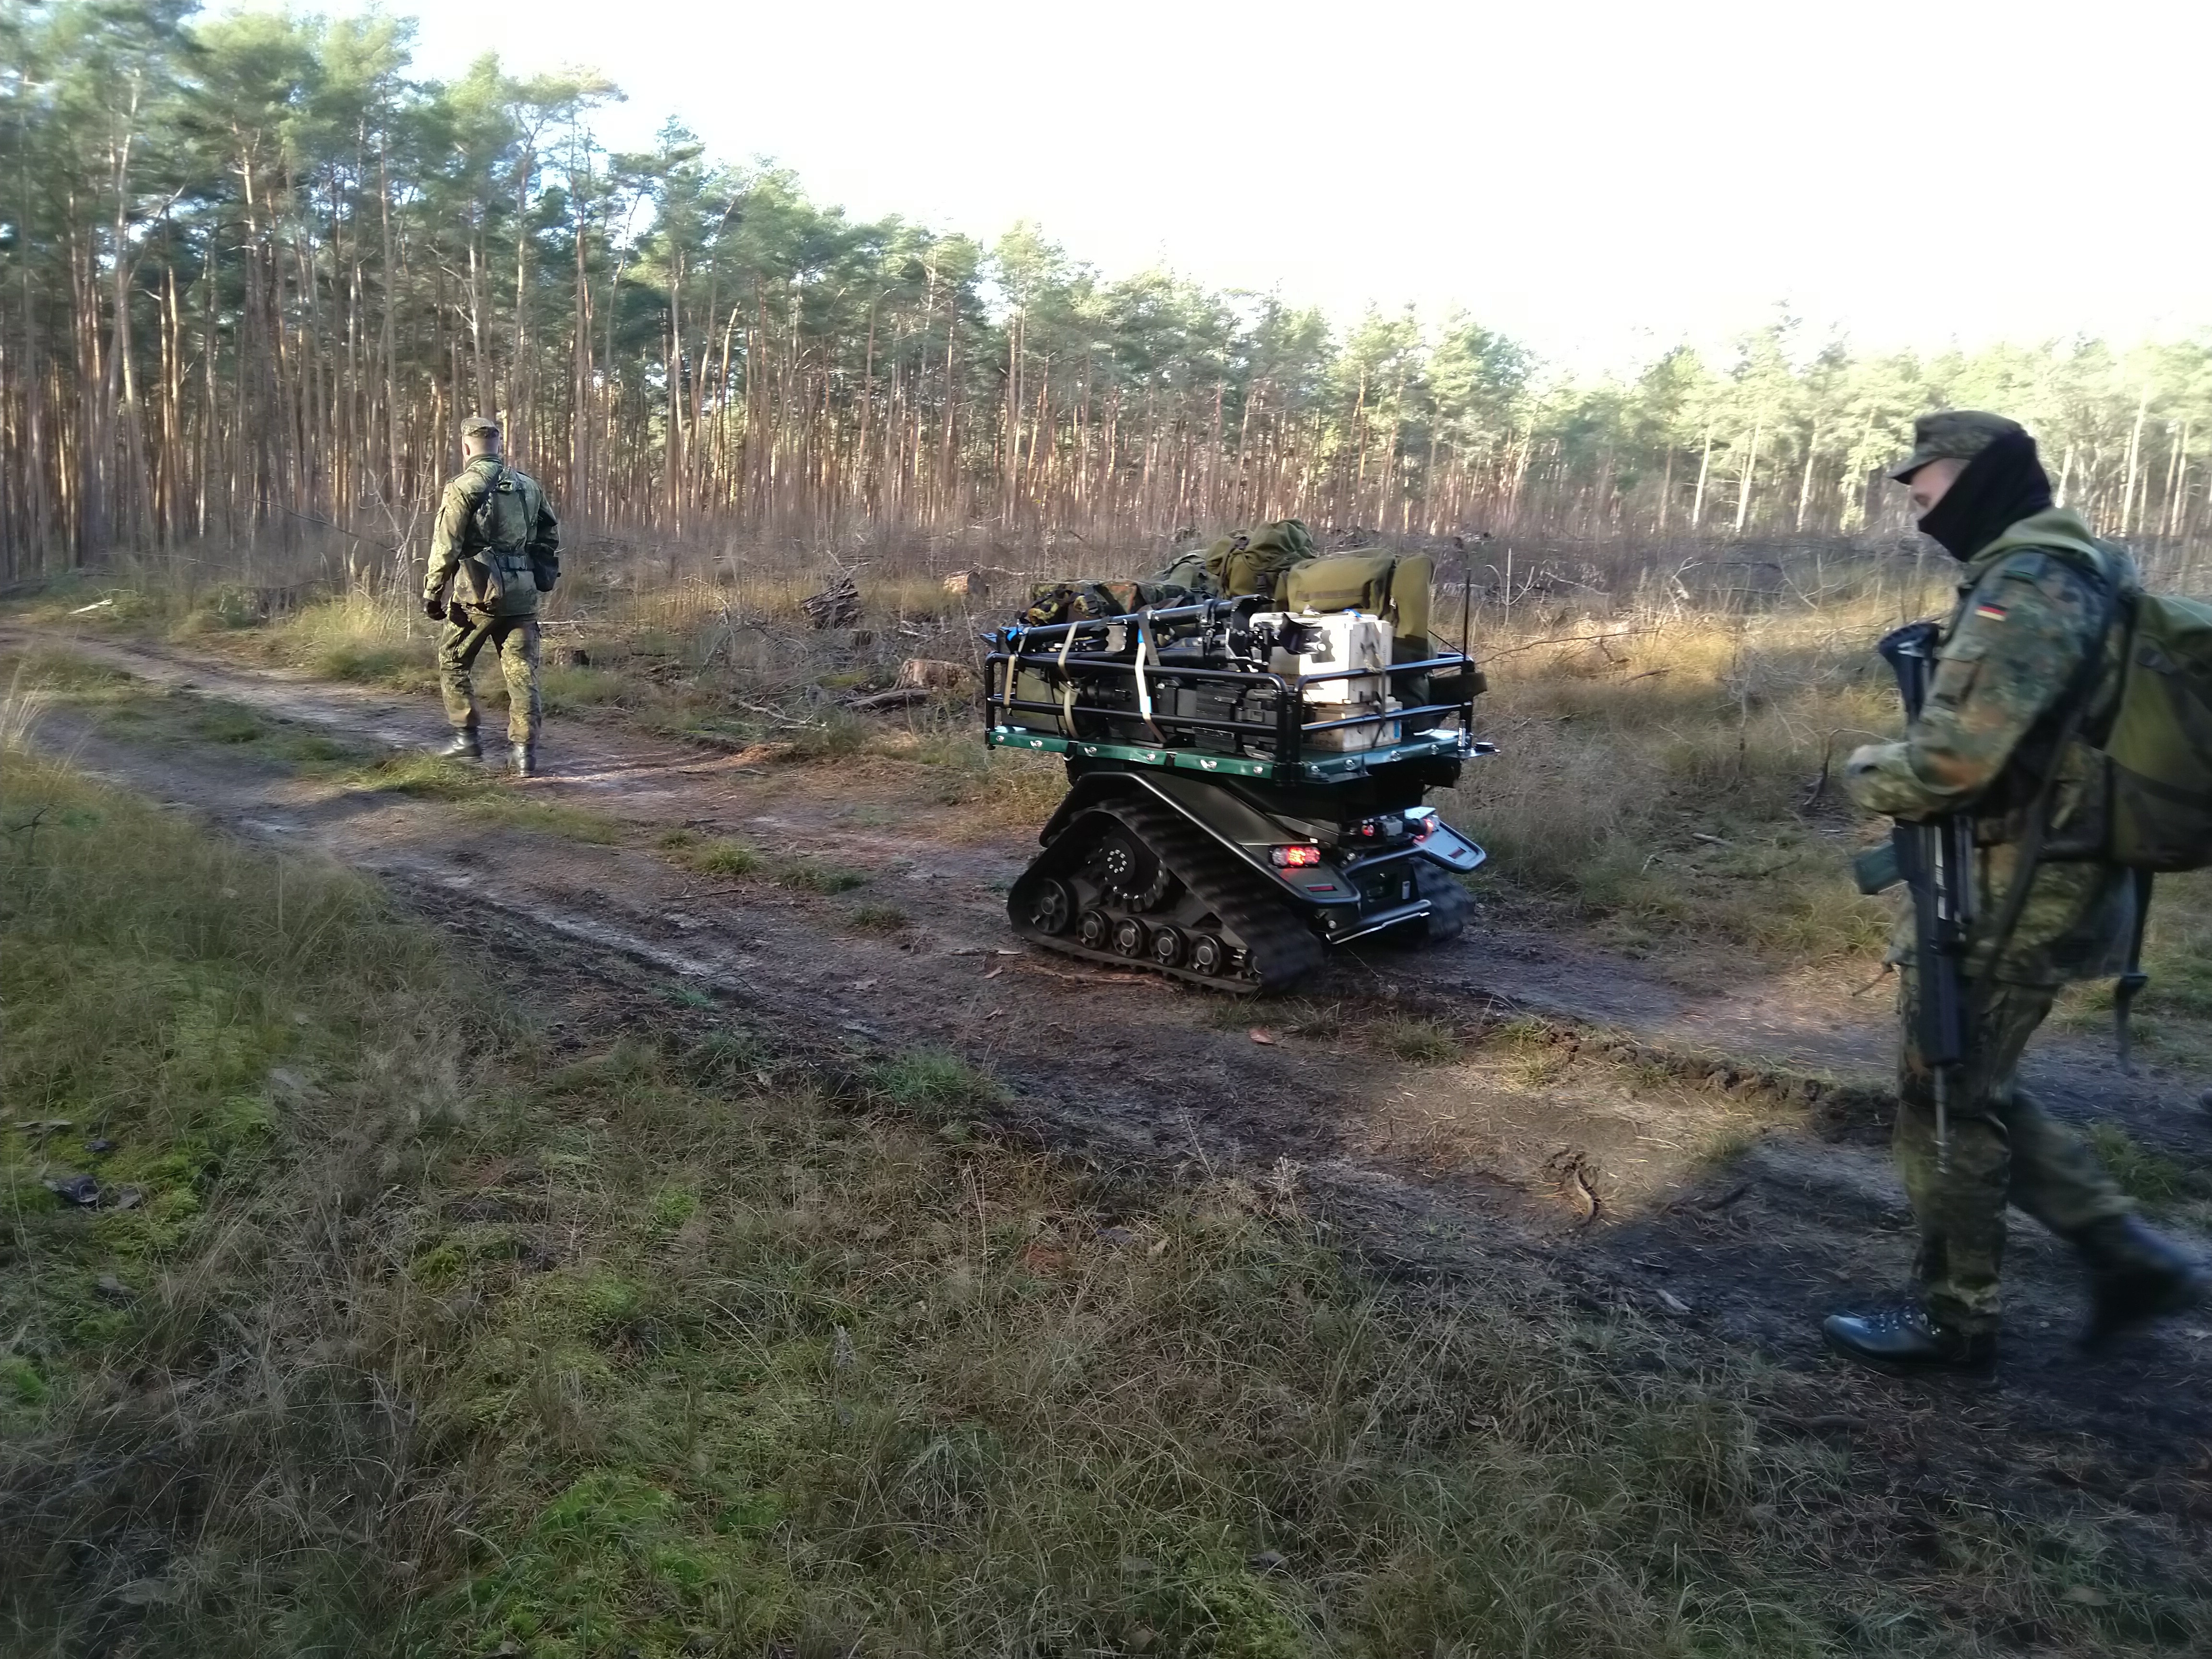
(1122, 658)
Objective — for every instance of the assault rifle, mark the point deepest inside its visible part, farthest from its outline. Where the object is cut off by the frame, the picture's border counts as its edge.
(1934, 857)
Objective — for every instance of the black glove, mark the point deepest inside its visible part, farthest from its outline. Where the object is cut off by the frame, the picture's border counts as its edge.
(434, 607)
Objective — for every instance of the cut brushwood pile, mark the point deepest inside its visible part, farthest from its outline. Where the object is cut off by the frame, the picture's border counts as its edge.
(837, 605)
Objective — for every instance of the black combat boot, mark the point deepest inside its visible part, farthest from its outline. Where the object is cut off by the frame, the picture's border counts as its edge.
(526, 760)
(1905, 1341)
(464, 746)
(2135, 1276)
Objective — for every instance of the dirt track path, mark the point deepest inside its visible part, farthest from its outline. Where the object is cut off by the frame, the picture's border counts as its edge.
(1597, 1173)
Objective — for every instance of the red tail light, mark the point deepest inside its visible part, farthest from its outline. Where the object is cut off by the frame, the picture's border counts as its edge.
(1294, 858)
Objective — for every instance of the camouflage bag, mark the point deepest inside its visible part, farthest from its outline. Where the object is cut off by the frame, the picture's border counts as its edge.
(504, 574)
(1087, 601)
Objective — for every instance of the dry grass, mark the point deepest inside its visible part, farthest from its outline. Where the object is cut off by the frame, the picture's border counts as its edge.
(25, 700)
(1669, 774)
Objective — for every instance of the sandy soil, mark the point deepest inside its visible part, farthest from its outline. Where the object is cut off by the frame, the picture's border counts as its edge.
(1710, 1158)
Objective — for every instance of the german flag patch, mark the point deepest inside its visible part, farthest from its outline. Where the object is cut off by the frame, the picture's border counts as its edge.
(1989, 612)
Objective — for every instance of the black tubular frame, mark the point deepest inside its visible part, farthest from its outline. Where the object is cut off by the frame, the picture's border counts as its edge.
(1020, 648)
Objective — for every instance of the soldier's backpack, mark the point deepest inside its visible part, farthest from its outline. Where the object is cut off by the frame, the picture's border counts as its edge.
(1254, 561)
(2158, 752)
(505, 576)
(2148, 804)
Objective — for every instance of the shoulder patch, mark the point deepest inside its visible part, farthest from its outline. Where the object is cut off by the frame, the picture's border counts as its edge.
(1989, 612)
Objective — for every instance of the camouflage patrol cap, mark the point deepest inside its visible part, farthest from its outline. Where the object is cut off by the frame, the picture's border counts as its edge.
(1957, 434)
(479, 426)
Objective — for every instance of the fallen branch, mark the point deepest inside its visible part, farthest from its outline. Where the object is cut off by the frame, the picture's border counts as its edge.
(1569, 639)
(898, 697)
(778, 715)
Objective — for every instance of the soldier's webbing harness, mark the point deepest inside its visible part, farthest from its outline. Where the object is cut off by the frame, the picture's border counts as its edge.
(483, 515)
(2079, 693)
(503, 565)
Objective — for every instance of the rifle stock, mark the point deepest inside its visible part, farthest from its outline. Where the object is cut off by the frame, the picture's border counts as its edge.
(1936, 858)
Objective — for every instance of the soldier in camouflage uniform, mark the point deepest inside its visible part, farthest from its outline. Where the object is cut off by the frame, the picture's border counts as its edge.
(2035, 593)
(498, 546)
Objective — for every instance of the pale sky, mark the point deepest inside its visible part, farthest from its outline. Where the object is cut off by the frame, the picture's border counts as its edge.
(1599, 180)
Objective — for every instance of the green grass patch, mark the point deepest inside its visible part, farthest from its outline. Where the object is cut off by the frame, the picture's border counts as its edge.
(833, 734)
(64, 673)
(1019, 787)
(563, 689)
(430, 776)
(228, 722)
(509, 810)
(807, 876)
(877, 918)
(402, 667)
(318, 750)
(935, 1086)
(717, 855)
(1424, 1042)
(2152, 1179)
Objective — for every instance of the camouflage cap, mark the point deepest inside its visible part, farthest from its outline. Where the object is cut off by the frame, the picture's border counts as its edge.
(1958, 434)
(477, 425)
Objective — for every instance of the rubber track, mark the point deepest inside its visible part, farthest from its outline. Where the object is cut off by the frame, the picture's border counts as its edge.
(1274, 936)
(1449, 904)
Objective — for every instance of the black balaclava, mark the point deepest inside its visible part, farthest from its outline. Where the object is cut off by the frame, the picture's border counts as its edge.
(1998, 488)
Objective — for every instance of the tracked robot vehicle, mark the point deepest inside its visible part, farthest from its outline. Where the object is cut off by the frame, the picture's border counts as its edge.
(1246, 775)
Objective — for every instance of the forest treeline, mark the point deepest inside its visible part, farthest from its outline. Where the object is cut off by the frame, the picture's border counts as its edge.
(252, 268)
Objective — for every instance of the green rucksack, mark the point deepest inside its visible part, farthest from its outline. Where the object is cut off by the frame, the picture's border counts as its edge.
(1251, 561)
(2148, 802)
(2158, 753)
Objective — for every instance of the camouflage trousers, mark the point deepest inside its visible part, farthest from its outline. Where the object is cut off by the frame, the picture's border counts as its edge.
(2004, 1149)
(514, 639)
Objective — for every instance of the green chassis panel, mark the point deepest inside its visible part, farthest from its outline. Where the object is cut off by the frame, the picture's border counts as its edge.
(1351, 765)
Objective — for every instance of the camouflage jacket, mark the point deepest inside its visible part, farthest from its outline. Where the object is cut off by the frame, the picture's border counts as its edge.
(518, 517)
(2030, 607)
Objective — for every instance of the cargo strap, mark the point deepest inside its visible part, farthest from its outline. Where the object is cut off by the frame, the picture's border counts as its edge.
(1067, 683)
(2132, 979)
(1146, 654)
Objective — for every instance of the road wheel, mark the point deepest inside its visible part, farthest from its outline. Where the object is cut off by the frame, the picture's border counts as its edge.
(1208, 954)
(1051, 907)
